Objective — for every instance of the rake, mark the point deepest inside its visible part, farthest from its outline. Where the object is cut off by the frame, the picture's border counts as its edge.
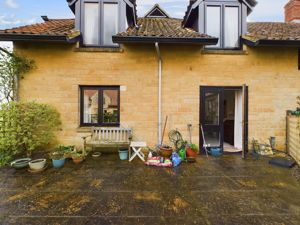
(204, 142)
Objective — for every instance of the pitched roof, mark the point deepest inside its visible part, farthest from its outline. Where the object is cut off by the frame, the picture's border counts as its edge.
(272, 32)
(193, 7)
(161, 29)
(56, 28)
(50, 27)
(156, 29)
(156, 12)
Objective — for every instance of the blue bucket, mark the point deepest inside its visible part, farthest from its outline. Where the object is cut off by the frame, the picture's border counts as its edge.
(123, 154)
(58, 163)
(215, 152)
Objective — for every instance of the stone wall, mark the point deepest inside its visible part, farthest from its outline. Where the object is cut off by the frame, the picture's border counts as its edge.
(270, 72)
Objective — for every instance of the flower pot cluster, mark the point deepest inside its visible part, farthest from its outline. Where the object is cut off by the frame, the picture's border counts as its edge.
(187, 152)
(61, 153)
(58, 157)
(166, 156)
(35, 166)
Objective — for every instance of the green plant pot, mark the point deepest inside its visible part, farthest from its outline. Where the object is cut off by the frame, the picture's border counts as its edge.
(123, 154)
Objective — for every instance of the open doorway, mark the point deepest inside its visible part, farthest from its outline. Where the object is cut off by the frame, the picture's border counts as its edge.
(233, 121)
(224, 118)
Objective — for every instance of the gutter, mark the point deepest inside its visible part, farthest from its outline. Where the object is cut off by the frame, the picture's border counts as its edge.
(159, 58)
(138, 39)
(35, 37)
(264, 42)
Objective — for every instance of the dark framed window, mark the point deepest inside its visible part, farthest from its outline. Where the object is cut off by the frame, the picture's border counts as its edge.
(99, 105)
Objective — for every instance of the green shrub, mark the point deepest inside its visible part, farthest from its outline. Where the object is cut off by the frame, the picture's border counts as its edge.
(25, 127)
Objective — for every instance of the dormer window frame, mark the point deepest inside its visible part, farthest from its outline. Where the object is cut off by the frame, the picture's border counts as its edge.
(223, 5)
(101, 23)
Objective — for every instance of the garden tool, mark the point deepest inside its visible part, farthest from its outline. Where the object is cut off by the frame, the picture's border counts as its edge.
(204, 142)
(190, 132)
(162, 138)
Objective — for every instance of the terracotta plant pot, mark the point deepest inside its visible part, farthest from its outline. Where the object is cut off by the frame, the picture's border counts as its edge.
(191, 153)
(166, 152)
(78, 160)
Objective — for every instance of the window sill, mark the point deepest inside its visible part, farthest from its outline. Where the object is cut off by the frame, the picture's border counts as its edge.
(87, 129)
(223, 52)
(100, 49)
(83, 129)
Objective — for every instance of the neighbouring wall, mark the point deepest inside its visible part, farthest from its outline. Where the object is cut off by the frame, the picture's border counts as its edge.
(270, 72)
(293, 137)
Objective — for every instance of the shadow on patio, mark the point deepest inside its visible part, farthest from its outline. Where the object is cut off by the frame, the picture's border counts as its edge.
(226, 190)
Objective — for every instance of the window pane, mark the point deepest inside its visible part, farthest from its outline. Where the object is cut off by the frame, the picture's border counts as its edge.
(91, 24)
(110, 22)
(231, 27)
(212, 109)
(213, 23)
(90, 106)
(212, 138)
(110, 106)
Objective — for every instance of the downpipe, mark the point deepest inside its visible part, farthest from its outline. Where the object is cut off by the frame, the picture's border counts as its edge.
(159, 113)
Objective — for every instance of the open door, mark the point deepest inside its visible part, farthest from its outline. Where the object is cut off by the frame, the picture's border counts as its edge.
(245, 121)
(211, 116)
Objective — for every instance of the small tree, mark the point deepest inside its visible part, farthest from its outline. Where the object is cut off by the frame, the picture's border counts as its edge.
(25, 127)
(12, 68)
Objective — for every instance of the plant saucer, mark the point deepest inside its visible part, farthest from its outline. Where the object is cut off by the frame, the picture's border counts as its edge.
(96, 154)
(37, 171)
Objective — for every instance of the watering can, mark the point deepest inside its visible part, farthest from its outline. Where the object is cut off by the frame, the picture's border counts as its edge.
(182, 154)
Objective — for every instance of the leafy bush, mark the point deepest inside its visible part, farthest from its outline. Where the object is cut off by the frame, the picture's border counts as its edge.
(194, 147)
(25, 127)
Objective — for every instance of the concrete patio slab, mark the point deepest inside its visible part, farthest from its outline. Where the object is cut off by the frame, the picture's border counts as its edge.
(226, 190)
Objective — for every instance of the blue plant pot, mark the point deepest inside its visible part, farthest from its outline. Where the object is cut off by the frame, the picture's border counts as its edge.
(216, 152)
(123, 154)
(58, 163)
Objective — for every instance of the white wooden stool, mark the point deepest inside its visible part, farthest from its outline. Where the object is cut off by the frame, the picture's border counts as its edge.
(137, 150)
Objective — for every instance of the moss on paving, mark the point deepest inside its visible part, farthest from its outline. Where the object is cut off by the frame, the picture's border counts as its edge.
(226, 190)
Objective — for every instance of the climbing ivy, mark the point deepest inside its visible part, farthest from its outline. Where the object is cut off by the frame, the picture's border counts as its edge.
(12, 68)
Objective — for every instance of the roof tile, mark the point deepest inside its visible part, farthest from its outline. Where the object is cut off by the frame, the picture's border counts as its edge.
(273, 31)
(161, 27)
(51, 27)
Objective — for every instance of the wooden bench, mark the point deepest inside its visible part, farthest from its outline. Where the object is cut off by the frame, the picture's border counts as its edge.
(101, 137)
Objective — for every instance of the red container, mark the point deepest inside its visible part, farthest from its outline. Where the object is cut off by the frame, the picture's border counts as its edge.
(191, 153)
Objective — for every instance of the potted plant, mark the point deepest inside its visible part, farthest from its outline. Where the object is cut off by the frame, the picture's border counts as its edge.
(68, 151)
(192, 150)
(58, 158)
(78, 157)
(166, 151)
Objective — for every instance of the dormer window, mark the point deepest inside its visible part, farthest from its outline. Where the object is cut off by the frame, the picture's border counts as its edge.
(222, 20)
(91, 34)
(100, 21)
